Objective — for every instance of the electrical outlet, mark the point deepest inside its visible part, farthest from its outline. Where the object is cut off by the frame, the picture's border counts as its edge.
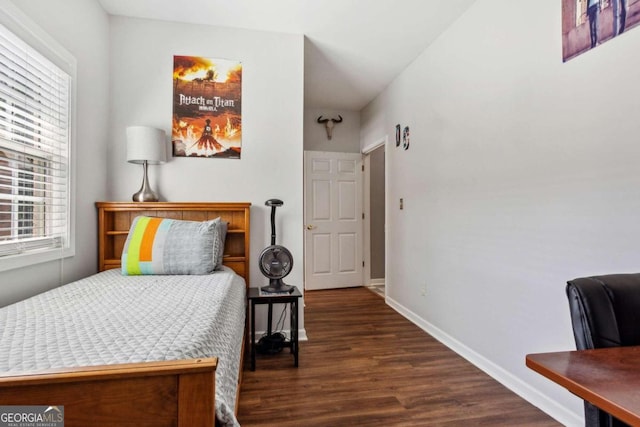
(423, 291)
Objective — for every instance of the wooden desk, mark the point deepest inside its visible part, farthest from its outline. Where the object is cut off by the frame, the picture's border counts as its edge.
(609, 378)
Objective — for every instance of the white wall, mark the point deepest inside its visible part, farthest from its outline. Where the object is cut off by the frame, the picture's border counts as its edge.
(522, 174)
(272, 121)
(81, 27)
(345, 137)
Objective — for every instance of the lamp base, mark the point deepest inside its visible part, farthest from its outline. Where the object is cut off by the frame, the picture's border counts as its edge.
(145, 194)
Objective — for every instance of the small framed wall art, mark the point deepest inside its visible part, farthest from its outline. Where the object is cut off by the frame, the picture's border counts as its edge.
(587, 24)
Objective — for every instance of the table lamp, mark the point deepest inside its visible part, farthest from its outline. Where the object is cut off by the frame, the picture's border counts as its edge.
(146, 146)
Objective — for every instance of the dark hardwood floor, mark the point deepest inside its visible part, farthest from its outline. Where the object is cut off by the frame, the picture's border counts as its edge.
(364, 365)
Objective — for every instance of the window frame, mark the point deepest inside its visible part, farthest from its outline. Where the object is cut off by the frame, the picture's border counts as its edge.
(16, 21)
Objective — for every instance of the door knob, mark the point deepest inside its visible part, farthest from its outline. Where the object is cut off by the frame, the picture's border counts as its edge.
(311, 227)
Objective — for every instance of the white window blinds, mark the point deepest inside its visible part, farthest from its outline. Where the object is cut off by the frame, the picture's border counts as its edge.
(35, 97)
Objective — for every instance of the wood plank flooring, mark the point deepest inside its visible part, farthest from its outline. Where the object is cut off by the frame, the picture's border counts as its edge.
(365, 365)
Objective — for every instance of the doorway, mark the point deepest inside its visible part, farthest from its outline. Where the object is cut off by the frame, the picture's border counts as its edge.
(375, 217)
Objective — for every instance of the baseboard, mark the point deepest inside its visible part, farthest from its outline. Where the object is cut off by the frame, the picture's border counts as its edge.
(374, 282)
(513, 383)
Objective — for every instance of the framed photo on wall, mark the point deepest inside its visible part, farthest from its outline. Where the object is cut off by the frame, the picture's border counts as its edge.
(207, 107)
(587, 24)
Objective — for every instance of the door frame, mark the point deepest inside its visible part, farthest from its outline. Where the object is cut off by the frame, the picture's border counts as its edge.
(382, 142)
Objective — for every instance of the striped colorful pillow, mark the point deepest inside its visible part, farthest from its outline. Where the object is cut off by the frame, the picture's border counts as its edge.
(170, 246)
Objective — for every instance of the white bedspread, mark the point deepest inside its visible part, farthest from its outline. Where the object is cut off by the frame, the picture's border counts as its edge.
(109, 318)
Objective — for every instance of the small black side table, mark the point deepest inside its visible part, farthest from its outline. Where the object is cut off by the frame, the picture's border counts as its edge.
(256, 297)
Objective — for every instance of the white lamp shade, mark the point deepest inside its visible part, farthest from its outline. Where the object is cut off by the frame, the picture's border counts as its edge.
(146, 143)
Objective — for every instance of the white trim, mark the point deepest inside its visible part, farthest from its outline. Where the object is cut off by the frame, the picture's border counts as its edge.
(373, 282)
(24, 27)
(387, 174)
(25, 260)
(366, 223)
(513, 383)
(379, 143)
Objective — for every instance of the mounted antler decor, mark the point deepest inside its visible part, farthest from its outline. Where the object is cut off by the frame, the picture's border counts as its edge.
(329, 123)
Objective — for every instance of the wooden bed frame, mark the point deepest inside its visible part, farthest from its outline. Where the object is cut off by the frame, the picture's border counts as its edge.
(169, 393)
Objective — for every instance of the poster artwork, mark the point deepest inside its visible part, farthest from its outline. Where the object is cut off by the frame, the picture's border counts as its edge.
(207, 107)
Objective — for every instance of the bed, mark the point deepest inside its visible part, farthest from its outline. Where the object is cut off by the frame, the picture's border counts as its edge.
(120, 348)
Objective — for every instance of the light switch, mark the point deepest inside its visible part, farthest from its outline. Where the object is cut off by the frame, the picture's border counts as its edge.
(401, 204)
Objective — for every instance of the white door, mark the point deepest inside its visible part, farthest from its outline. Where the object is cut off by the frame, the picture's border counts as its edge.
(333, 220)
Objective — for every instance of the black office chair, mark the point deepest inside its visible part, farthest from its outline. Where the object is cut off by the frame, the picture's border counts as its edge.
(605, 312)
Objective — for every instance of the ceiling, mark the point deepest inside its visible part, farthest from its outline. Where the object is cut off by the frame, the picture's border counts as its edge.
(353, 48)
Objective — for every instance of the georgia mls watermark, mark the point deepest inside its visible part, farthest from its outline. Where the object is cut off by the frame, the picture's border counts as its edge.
(31, 416)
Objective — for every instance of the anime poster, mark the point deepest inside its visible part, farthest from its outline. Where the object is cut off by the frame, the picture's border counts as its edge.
(207, 107)
(587, 24)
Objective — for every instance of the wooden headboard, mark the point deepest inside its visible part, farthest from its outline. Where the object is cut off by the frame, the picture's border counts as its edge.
(115, 218)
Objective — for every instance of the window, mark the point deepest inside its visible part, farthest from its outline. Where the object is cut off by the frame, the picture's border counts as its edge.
(35, 147)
